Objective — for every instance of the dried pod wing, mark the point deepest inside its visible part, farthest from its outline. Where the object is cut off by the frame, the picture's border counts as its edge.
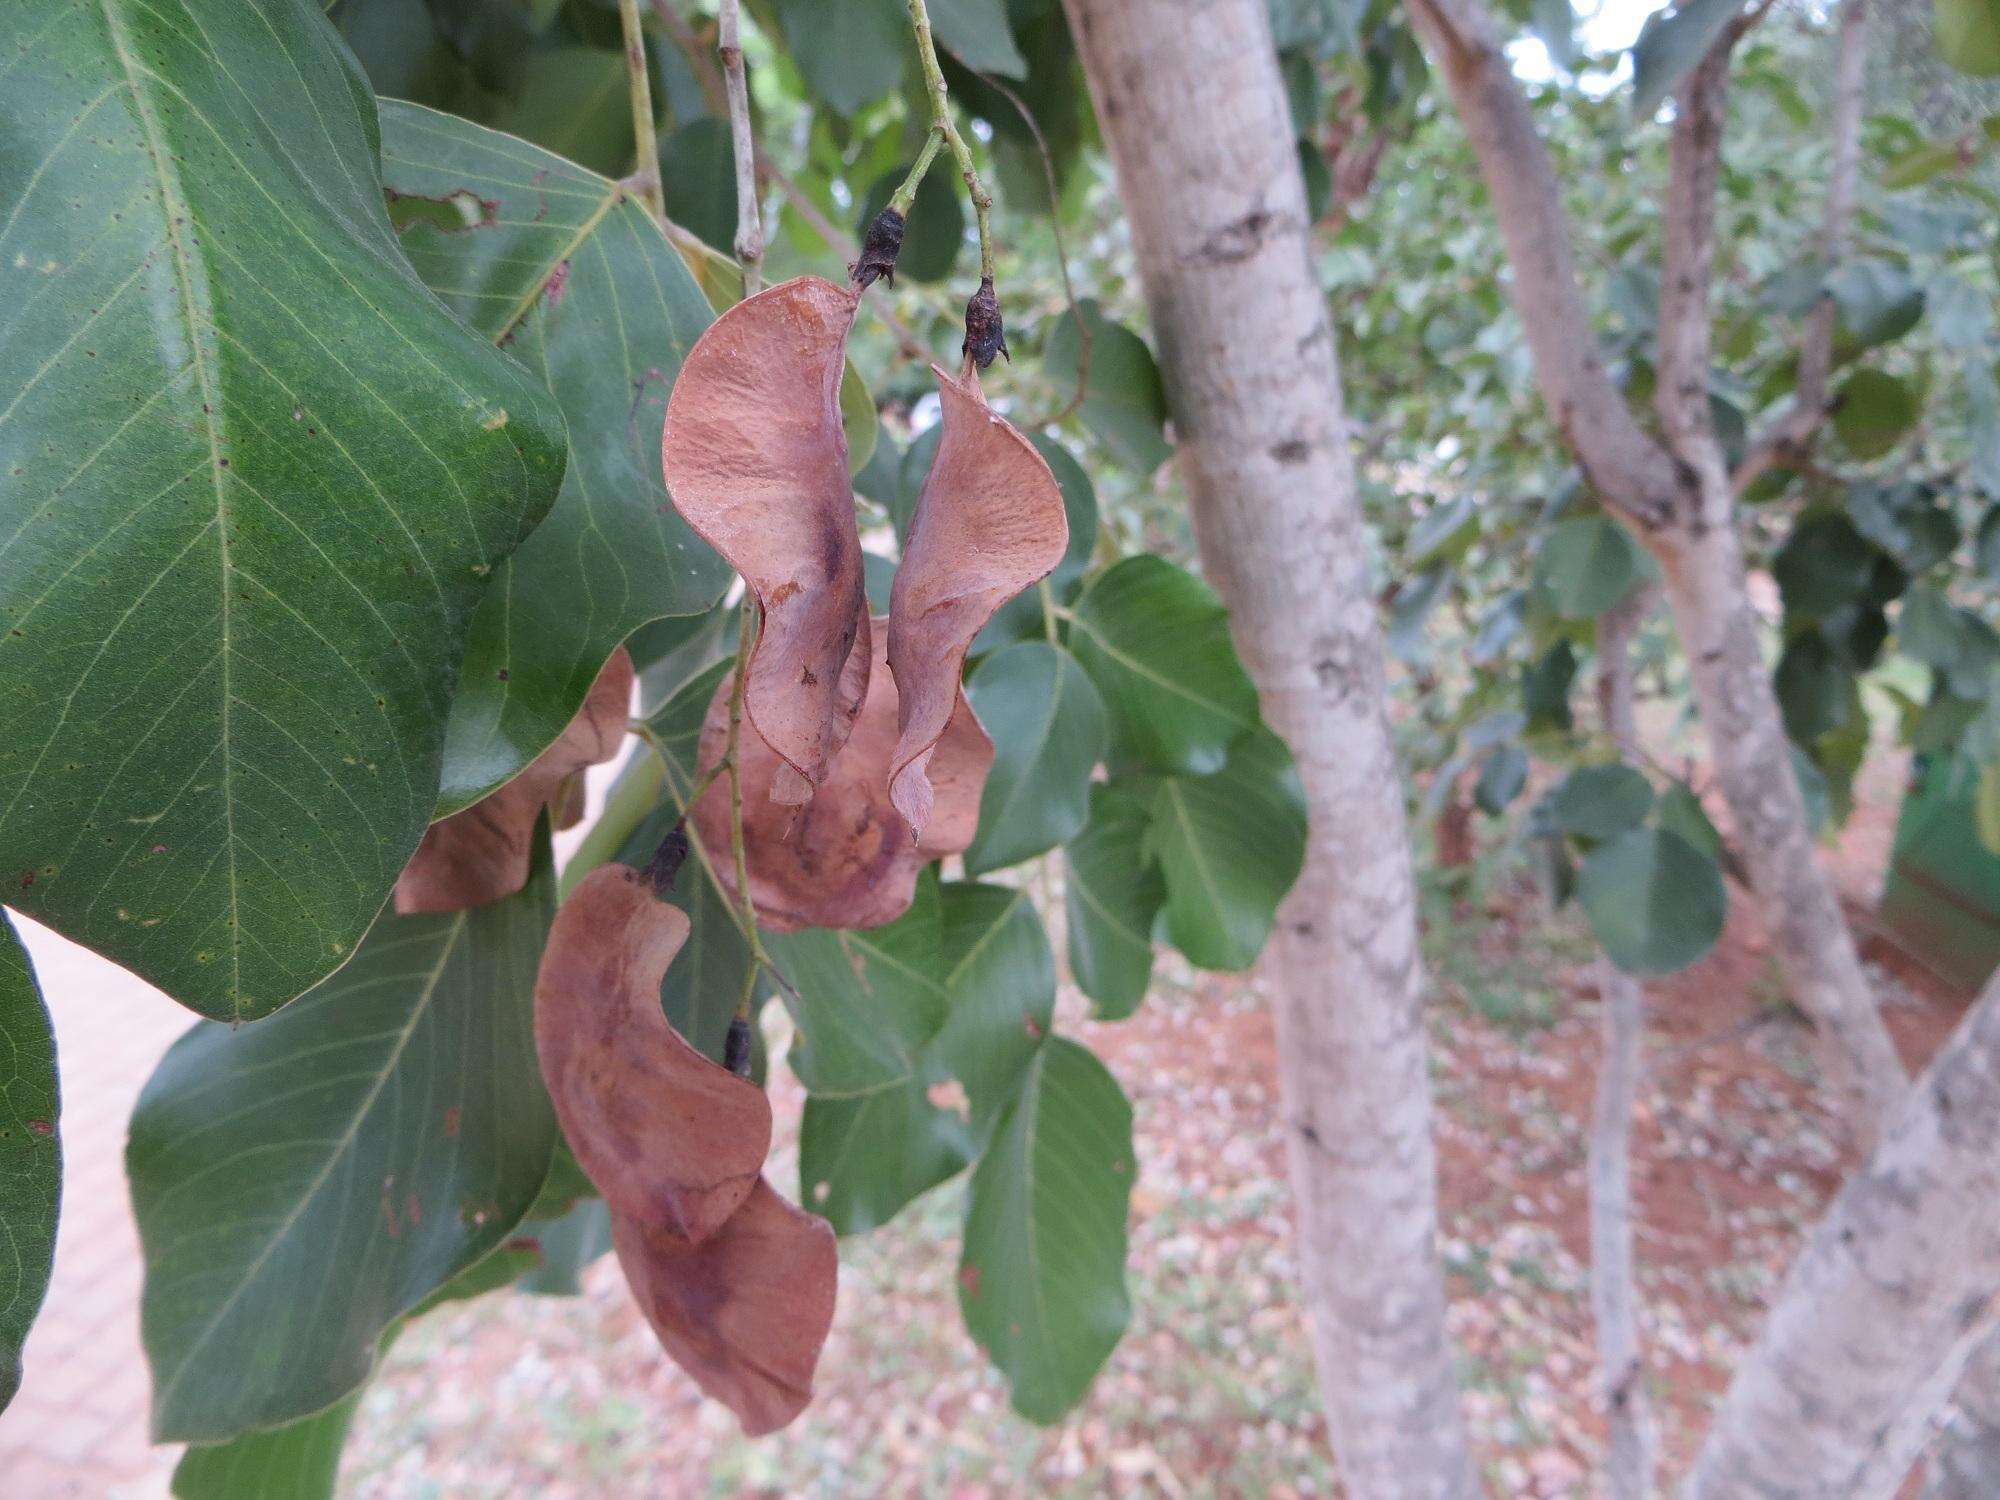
(482, 854)
(755, 458)
(674, 1142)
(848, 858)
(989, 523)
(746, 1311)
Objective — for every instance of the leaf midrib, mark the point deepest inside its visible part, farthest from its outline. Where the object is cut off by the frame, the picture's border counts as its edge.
(174, 211)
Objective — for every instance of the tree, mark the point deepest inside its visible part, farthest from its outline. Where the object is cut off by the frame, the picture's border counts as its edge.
(1195, 115)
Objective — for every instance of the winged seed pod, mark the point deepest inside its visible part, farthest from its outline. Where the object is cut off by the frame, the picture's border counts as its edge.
(674, 1142)
(846, 859)
(755, 458)
(989, 522)
(482, 853)
(746, 1311)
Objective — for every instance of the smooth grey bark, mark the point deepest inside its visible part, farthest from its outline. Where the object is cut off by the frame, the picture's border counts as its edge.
(1966, 1463)
(1884, 1305)
(1680, 504)
(1192, 107)
(1614, 1290)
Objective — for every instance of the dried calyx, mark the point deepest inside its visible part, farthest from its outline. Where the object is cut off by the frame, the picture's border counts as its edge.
(985, 334)
(482, 854)
(879, 248)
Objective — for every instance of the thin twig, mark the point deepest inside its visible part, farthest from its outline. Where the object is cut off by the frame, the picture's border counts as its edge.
(645, 143)
(701, 63)
(982, 201)
(841, 242)
(749, 228)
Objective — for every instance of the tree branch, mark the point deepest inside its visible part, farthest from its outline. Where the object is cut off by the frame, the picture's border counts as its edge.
(1687, 258)
(1787, 435)
(1633, 473)
(639, 85)
(749, 245)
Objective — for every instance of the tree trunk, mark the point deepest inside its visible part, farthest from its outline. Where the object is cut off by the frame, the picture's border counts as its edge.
(1193, 110)
(1883, 1306)
(1720, 636)
(1614, 1289)
(1966, 1465)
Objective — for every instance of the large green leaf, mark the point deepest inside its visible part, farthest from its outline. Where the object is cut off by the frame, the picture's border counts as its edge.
(1156, 642)
(1968, 35)
(253, 480)
(850, 52)
(1655, 902)
(866, 1003)
(976, 32)
(573, 278)
(30, 1154)
(1124, 400)
(1042, 1277)
(1587, 564)
(1873, 412)
(298, 1461)
(303, 1183)
(1229, 846)
(1596, 802)
(1000, 991)
(862, 1159)
(1112, 893)
(1047, 724)
(1669, 46)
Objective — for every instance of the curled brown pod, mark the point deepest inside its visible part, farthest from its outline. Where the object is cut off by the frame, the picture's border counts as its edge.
(482, 853)
(746, 1311)
(673, 1141)
(988, 523)
(846, 859)
(755, 458)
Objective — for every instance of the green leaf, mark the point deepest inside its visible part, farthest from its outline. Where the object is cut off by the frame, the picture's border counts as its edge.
(1024, 616)
(1501, 778)
(863, 1159)
(1156, 642)
(1588, 564)
(575, 102)
(1545, 685)
(1112, 893)
(1815, 689)
(1554, 21)
(1968, 35)
(30, 1154)
(1655, 902)
(569, 1245)
(1873, 411)
(1669, 46)
(868, 1002)
(1595, 802)
(977, 34)
(252, 480)
(1825, 565)
(850, 52)
(1879, 302)
(1048, 730)
(1986, 806)
(1124, 402)
(299, 1461)
(1444, 532)
(574, 280)
(303, 1183)
(1000, 989)
(934, 231)
(1229, 846)
(1681, 812)
(698, 181)
(1041, 1280)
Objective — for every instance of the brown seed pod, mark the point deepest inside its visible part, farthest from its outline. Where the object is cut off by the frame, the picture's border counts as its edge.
(674, 1142)
(482, 854)
(746, 1311)
(756, 459)
(846, 859)
(988, 523)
